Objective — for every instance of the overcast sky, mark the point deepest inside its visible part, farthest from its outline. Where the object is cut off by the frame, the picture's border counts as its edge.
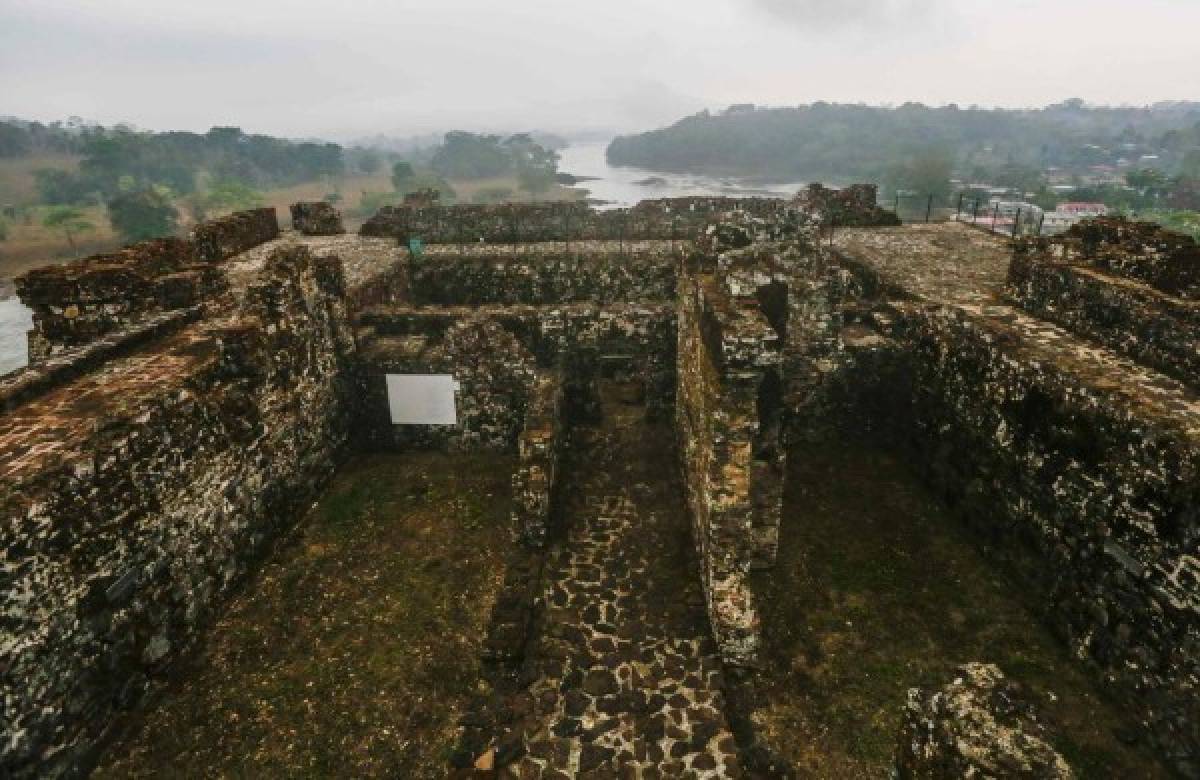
(353, 67)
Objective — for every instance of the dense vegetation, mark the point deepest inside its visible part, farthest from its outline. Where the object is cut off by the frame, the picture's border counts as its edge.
(121, 159)
(844, 142)
(521, 161)
(472, 156)
(149, 183)
(1141, 161)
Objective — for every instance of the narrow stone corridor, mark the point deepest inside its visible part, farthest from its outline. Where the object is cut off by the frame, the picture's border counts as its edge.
(630, 683)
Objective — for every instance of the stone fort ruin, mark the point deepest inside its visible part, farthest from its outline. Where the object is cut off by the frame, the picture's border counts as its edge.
(187, 398)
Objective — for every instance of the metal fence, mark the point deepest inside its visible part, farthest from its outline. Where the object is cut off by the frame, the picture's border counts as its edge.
(1010, 218)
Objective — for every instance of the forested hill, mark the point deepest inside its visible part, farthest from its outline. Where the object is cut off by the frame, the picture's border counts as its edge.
(839, 142)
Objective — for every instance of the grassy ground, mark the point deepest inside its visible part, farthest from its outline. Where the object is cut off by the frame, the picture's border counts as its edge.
(30, 245)
(355, 649)
(877, 590)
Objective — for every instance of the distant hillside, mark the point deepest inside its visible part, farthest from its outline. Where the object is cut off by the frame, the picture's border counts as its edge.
(120, 158)
(836, 142)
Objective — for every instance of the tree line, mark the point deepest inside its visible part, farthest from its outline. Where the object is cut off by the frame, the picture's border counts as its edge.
(120, 159)
(144, 178)
(913, 144)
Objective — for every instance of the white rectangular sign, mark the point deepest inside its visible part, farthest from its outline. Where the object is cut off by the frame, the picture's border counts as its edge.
(422, 399)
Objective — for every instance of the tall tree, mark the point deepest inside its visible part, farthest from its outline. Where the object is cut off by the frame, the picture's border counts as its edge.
(68, 221)
(143, 214)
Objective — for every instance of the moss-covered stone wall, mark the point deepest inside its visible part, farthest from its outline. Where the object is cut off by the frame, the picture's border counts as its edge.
(172, 469)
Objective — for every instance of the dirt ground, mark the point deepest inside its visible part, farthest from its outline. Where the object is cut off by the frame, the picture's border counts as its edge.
(878, 590)
(355, 649)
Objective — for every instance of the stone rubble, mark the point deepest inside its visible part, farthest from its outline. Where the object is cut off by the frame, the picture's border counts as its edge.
(980, 725)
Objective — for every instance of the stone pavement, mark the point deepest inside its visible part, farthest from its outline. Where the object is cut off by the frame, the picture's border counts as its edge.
(630, 683)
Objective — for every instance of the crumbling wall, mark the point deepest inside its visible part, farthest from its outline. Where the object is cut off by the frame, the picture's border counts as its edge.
(119, 544)
(1142, 251)
(636, 340)
(79, 302)
(733, 323)
(601, 273)
(853, 206)
(540, 450)
(715, 452)
(1077, 470)
(669, 219)
(317, 218)
(221, 239)
(1049, 279)
(1080, 486)
(843, 370)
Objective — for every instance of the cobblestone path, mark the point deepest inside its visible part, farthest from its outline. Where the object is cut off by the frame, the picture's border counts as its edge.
(629, 680)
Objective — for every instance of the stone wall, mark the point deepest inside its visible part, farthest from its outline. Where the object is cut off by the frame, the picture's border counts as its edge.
(40, 378)
(669, 219)
(636, 340)
(221, 239)
(494, 370)
(853, 206)
(733, 324)
(1143, 251)
(1132, 317)
(121, 538)
(79, 302)
(600, 272)
(1086, 489)
(1077, 470)
(145, 466)
(317, 218)
(540, 450)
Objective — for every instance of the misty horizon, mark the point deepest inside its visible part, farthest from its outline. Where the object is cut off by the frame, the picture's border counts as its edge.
(574, 135)
(294, 70)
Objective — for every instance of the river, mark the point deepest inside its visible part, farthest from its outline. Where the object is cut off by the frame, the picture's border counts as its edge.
(619, 186)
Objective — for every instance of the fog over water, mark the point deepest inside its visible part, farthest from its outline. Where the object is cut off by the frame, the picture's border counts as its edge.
(622, 186)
